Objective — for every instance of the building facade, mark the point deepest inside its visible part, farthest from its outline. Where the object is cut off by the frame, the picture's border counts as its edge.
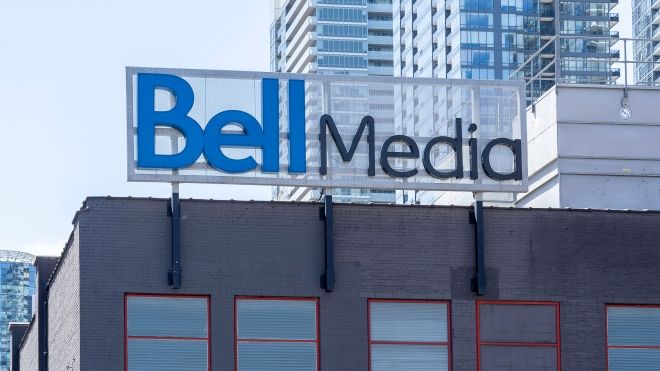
(564, 289)
(646, 25)
(332, 36)
(347, 37)
(17, 287)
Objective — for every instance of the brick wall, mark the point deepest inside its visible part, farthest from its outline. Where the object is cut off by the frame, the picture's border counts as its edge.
(64, 323)
(29, 351)
(583, 259)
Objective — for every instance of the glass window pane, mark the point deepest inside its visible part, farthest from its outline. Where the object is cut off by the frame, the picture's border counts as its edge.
(276, 319)
(165, 316)
(284, 356)
(518, 323)
(167, 355)
(518, 358)
(395, 357)
(634, 359)
(421, 322)
(633, 326)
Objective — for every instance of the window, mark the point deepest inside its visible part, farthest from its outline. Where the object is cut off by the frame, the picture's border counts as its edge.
(409, 335)
(345, 46)
(477, 4)
(276, 334)
(342, 61)
(476, 20)
(343, 30)
(343, 2)
(633, 338)
(167, 333)
(518, 336)
(341, 15)
(379, 17)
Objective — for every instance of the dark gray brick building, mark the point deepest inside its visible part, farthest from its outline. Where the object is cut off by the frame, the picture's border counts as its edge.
(554, 280)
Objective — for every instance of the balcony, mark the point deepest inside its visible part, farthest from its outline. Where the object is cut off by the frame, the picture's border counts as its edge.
(656, 49)
(299, 42)
(614, 19)
(380, 25)
(547, 31)
(381, 70)
(656, 34)
(300, 63)
(615, 54)
(656, 4)
(547, 13)
(300, 19)
(656, 17)
(380, 55)
(379, 8)
(548, 52)
(380, 40)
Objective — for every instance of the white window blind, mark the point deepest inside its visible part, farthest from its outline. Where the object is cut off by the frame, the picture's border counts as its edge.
(167, 333)
(408, 335)
(276, 334)
(633, 338)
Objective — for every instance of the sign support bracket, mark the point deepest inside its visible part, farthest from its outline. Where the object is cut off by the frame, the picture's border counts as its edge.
(477, 219)
(174, 274)
(328, 276)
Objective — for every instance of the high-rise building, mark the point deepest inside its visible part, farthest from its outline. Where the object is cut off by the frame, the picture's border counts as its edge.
(346, 37)
(17, 286)
(646, 26)
(490, 39)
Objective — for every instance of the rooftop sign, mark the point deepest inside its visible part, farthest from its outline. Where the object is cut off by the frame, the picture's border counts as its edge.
(330, 131)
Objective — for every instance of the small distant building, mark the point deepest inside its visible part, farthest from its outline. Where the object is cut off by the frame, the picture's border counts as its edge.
(17, 275)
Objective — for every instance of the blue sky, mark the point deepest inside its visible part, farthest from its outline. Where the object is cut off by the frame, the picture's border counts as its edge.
(63, 104)
(62, 98)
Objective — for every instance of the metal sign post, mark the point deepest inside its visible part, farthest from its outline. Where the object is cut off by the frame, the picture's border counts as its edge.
(477, 219)
(174, 275)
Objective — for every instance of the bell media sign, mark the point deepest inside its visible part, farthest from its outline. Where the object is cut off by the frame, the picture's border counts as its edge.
(197, 126)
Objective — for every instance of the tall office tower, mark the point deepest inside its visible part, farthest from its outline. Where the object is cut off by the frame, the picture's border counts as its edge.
(345, 37)
(646, 25)
(17, 285)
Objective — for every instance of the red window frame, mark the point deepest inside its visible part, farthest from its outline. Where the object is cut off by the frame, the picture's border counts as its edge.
(208, 318)
(278, 298)
(607, 331)
(556, 345)
(445, 343)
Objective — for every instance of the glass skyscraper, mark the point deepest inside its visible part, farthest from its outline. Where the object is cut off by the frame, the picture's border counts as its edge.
(17, 288)
(347, 37)
(646, 25)
(490, 39)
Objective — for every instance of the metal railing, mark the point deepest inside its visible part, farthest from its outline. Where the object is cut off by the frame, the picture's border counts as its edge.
(590, 60)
